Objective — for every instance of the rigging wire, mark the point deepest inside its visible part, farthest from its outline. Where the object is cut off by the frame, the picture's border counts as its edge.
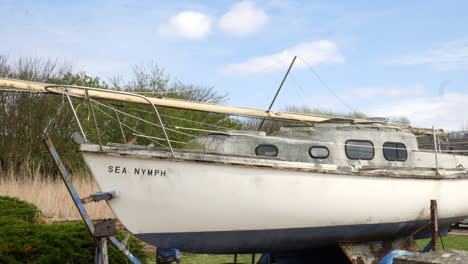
(325, 84)
(179, 118)
(141, 119)
(134, 130)
(302, 90)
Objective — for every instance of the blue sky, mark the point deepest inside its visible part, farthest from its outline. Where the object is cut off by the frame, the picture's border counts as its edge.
(394, 58)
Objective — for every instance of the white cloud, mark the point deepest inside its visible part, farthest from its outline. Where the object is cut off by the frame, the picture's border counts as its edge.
(188, 24)
(449, 56)
(447, 111)
(243, 18)
(316, 52)
(375, 91)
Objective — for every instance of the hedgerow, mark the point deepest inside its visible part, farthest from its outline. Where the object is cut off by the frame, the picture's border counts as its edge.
(24, 241)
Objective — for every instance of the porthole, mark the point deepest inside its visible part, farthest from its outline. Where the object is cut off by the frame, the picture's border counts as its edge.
(319, 152)
(266, 150)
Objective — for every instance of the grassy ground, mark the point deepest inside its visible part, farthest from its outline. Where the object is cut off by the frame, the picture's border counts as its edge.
(212, 259)
(450, 242)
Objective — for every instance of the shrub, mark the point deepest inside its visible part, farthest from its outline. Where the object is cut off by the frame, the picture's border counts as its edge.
(22, 240)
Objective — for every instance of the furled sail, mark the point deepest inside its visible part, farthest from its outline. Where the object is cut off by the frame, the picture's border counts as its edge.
(173, 103)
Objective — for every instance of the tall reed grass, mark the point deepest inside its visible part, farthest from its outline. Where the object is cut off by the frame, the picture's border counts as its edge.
(50, 194)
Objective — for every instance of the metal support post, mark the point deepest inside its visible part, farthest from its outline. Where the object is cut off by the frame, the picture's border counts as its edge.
(101, 256)
(435, 225)
(166, 256)
(94, 118)
(279, 89)
(435, 149)
(76, 116)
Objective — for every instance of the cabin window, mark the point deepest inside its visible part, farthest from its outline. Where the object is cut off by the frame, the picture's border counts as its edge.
(266, 150)
(395, 151)
(319, 152)
(359, 149)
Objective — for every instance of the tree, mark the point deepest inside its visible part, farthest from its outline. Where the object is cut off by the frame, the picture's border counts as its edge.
(400, 120)
(26, 116)
(182, 125)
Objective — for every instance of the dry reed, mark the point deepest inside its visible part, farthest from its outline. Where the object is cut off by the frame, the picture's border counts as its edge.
(51, 195)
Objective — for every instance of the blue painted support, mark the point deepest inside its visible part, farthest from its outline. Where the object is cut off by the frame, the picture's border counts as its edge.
(388, 259)
(101, 256)
(264, 259)
(166, 256)
(70, 187)
(428, 247)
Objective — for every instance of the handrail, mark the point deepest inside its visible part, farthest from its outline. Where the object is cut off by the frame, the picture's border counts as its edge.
(50, 88)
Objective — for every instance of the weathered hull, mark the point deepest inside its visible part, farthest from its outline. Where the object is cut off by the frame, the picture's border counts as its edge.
(215, 207)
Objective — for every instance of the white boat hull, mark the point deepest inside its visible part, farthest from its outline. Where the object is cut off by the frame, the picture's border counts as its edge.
(214, 207)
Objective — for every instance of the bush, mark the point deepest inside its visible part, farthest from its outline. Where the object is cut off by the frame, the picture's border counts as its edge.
(22, 240)
(13, 208)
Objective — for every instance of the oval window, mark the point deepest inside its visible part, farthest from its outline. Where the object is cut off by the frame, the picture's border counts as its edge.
(319, 152)
(266, 150)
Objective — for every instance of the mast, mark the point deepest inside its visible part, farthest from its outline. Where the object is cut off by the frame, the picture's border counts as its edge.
(94, 93)
(277, 92)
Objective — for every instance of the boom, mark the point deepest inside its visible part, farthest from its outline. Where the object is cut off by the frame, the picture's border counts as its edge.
(173, 103)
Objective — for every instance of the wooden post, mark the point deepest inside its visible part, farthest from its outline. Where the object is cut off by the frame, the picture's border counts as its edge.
(435, 226)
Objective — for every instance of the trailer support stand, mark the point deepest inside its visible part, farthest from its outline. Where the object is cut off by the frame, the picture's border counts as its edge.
(101, 256)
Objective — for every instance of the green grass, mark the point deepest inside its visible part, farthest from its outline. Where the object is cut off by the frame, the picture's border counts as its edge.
(23, 240)
(450, 242)
(188, 258)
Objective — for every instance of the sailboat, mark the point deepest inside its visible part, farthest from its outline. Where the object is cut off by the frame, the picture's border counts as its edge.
(332, 181)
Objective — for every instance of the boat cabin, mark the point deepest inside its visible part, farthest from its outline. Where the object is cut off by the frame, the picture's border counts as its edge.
(344, 145)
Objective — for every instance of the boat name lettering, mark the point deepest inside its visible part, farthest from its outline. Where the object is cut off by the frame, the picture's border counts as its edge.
(137, 171)
(149, 172)
(117, 169)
